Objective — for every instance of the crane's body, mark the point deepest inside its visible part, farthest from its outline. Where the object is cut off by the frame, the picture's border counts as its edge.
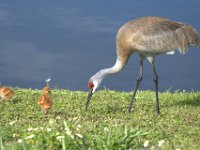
(148, 37)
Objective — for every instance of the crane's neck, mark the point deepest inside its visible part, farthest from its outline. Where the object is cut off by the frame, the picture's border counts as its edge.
(116, 68)
(99, 76)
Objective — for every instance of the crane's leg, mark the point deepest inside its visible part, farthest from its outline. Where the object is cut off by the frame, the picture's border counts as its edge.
(139, 79)
(155, 78)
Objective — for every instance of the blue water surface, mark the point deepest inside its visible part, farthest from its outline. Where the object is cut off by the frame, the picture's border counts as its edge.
(69, 41)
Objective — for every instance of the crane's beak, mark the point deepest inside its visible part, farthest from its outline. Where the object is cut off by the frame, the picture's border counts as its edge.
(88, 99)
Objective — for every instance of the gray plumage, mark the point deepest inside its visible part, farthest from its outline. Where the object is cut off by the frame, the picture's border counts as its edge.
(154, 35)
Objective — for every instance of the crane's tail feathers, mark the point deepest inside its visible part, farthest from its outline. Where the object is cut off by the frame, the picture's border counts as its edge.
(187, 35)
(197, 43)
(194, 37)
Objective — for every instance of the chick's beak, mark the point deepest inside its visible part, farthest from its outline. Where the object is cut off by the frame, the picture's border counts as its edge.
(89, 98)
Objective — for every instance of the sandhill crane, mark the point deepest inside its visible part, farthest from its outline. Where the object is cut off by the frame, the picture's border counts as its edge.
(148, 37)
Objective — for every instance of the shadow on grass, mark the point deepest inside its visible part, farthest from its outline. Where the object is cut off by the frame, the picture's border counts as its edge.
(195, 101)
(63, 113)
(16, 100)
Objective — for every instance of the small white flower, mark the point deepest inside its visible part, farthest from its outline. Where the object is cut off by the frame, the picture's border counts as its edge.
(41, 128)
(75, 119)
(58, 117)
(52, 121)
(78, 127)
(68, 132)
(30, 136)
(60, 138)
(15, 135)
(30, 129)
(19, 141)
(160, 143)
(72, 136)
(35, 129)
(79, 135)
(49, 130)
(146, 144)
(105, 129)
(12, 122)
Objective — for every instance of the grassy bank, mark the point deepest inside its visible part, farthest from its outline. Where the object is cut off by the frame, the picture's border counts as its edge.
(106, 125)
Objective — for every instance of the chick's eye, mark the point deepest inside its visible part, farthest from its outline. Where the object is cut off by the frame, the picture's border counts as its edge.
(90, 85)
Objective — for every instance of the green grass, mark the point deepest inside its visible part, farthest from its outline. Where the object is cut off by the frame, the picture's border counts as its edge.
(106, 125)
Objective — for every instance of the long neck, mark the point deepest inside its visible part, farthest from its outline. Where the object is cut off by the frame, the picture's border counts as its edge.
(112, 70)
(116, 68)
(100, 75)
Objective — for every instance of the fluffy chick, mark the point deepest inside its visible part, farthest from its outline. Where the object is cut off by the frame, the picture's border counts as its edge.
(6, 93)
(45, 101)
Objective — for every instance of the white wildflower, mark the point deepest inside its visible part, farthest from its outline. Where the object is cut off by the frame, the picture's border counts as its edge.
(15, 134)
(52, 121)
(58, 117)
(146, 144)
(41, 128)
(75, 119)
(49, 130)
(160, 143)
(12, 122)
(79, 135)
(35, 129)
(30, 136)
(60, 138)
(72, 136)
(30, 129)
(19, 141)
(105, 129)
(78, 127)
(68, 132)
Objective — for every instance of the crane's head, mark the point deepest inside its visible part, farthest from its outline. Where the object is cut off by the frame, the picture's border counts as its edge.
(46, 90)
(93, 84)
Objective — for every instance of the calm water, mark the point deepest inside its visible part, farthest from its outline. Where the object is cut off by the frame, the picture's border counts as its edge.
(69, 41)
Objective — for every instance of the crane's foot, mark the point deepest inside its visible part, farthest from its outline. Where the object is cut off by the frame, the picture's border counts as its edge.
(158, 110)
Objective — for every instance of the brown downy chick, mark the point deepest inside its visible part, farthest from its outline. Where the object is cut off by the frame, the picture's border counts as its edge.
(45, 100)
(6, 93)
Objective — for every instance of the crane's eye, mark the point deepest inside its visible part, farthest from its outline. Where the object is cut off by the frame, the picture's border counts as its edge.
(90, 85)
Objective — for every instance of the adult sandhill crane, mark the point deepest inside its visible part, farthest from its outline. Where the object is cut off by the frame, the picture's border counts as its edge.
(148, 37)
